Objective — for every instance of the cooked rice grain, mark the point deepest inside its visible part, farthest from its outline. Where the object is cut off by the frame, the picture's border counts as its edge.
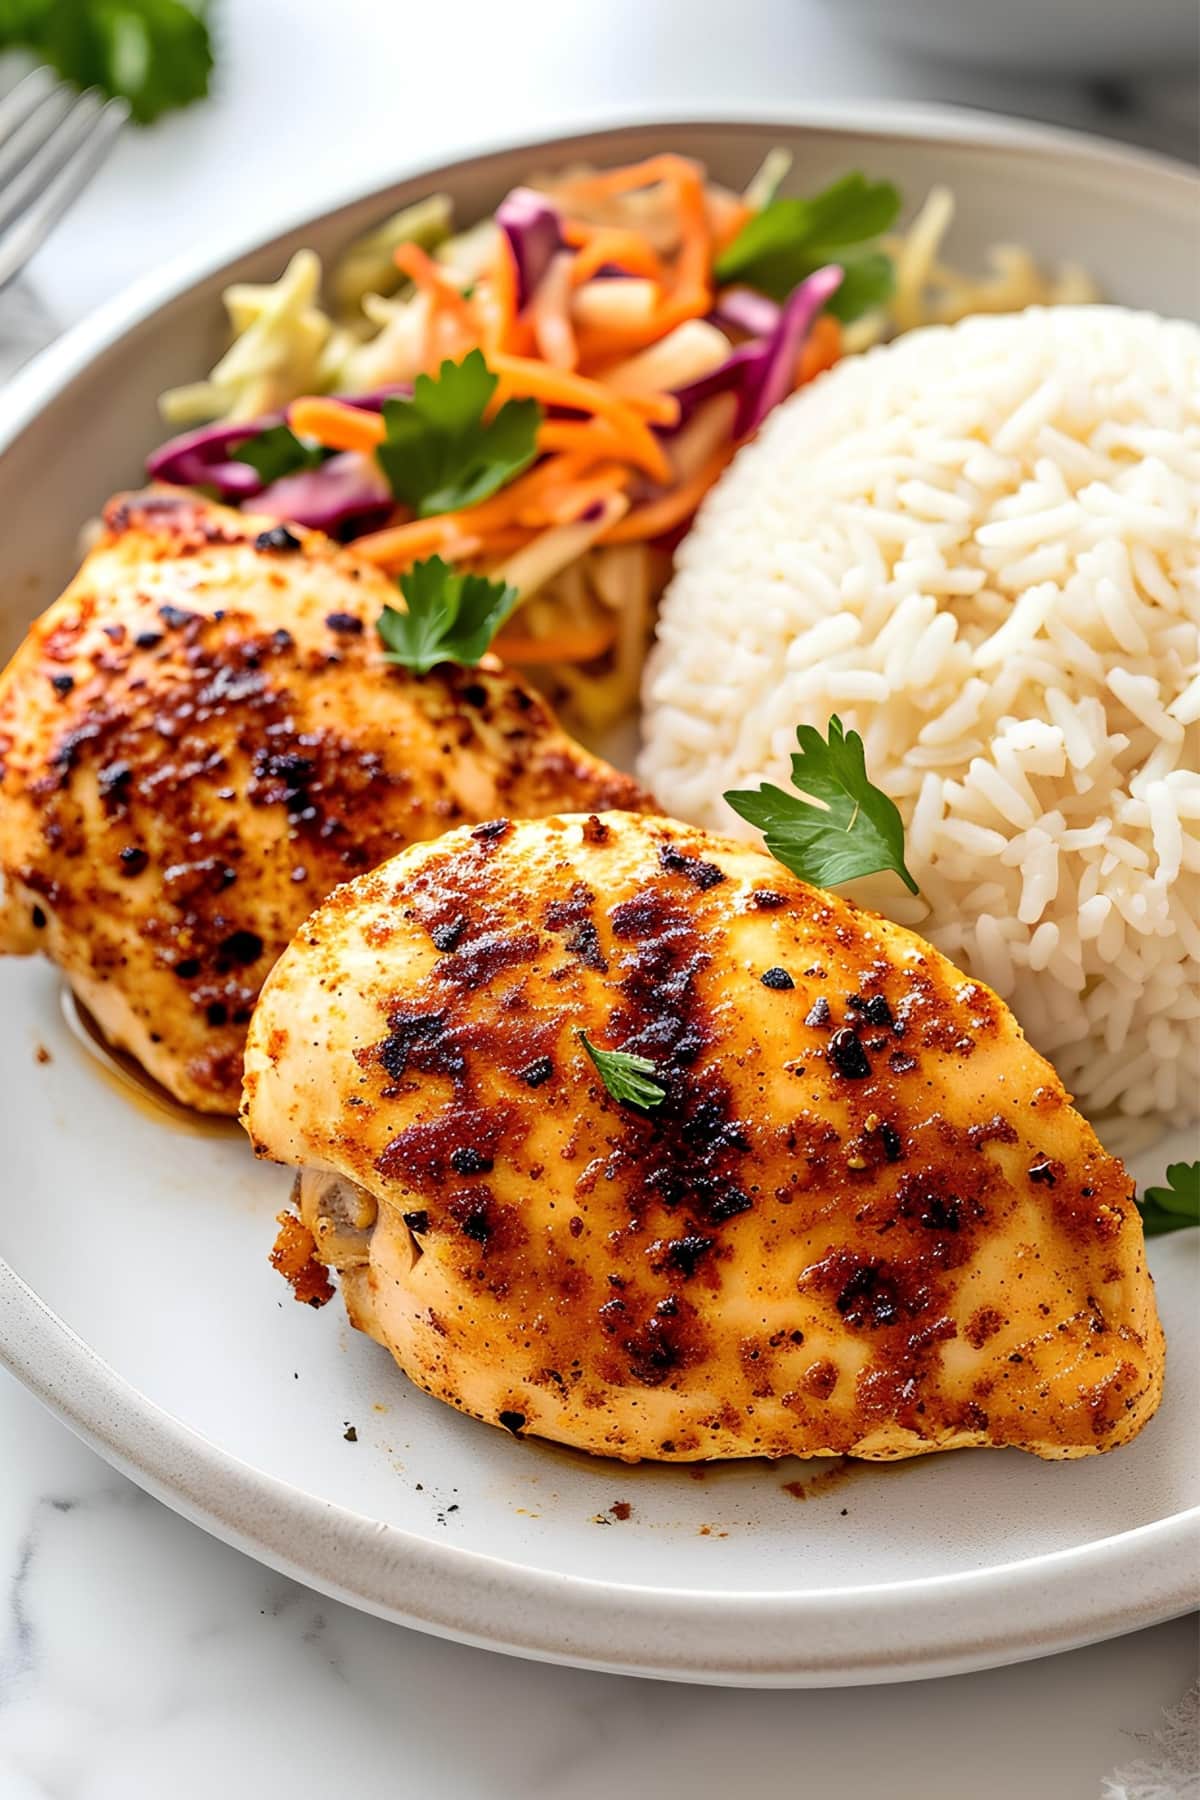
(980, 546)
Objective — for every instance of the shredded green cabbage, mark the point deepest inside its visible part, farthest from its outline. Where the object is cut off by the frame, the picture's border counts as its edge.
(282, 347)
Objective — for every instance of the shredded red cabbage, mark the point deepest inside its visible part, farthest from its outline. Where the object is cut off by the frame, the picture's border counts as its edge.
(760, 373)
(348, 489)
(533, 229)
(743, 310)
(200, 458)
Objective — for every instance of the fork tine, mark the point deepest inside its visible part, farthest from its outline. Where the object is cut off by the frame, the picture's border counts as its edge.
(20, 101)
(71, 131)
(39, 123)
(19, 242)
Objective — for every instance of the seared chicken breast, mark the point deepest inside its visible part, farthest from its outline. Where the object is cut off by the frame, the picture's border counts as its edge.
(862, 1218)
(201, 738)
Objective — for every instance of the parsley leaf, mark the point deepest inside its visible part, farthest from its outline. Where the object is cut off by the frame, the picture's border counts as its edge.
(156, 53)
(852, 830)
(625, 1076)
(1174, 1207)
(277, 452)
(450, 617)
(439, 455)
(789, 238)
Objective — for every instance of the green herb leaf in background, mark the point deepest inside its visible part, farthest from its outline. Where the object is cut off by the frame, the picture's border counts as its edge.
(277, 452)
(1174, 1207)
(789, 238)
(838, 826)
(450, 617)
(439, 455)
(156, 53)
(626, 1077)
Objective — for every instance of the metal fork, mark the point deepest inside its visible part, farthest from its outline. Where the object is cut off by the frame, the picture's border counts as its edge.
(52, 141)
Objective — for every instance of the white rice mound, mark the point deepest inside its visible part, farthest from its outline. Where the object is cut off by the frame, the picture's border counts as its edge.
(980, 547)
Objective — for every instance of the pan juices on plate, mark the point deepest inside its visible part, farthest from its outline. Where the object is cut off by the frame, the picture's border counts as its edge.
(620, 1134)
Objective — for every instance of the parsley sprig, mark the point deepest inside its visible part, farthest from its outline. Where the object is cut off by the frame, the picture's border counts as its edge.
(449, 617)
(155, 53)
(789, 238)
(277, 452)
(626, 1077)
(439, 454)
(1174, 1207)
(839, 826)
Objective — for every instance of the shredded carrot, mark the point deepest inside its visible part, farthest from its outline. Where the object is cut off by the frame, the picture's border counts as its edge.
(726, 216)
(560, 387)
(582, 645)
(564, 504)
(604, 183)
(821, 351)
(691, 294)
(502, 292)
(334, 424)
(503, 540)
(399, 544)
(661, 516)
(602, 245)
(580, 435)
(434, 281)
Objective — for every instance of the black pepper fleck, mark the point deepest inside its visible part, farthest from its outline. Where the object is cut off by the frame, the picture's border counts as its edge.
(417, 1222)
(491, 831)
(277, 538)
(684, 1253)
(535, 1073)
(873, 1008)
(893, 1147)
(345, 624)
(175, 617)
(513, 1421)
(701, 874)
(62, 684)
(241, 948)
(447, 937)
(776, 978)
(133, 860)
(847, 1054)
(467, 1161)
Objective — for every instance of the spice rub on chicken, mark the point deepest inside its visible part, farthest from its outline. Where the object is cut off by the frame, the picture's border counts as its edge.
(201, 738)
(850, 1211)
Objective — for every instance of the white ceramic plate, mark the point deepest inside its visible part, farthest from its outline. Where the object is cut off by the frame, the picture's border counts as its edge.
(137, 1299)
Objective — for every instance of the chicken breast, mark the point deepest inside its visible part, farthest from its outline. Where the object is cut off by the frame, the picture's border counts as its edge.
(863, 1219)
(201, 738)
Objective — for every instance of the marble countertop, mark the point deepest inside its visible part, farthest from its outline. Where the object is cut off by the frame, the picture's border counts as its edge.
(139, 1658)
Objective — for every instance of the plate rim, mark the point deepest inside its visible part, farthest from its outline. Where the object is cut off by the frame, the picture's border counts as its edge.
(921, 1627)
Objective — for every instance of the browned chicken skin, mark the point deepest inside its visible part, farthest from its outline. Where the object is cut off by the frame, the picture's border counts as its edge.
(865, 1218)
(200, 739)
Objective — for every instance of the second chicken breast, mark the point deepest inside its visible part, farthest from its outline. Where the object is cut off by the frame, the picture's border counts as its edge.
(201, 738)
